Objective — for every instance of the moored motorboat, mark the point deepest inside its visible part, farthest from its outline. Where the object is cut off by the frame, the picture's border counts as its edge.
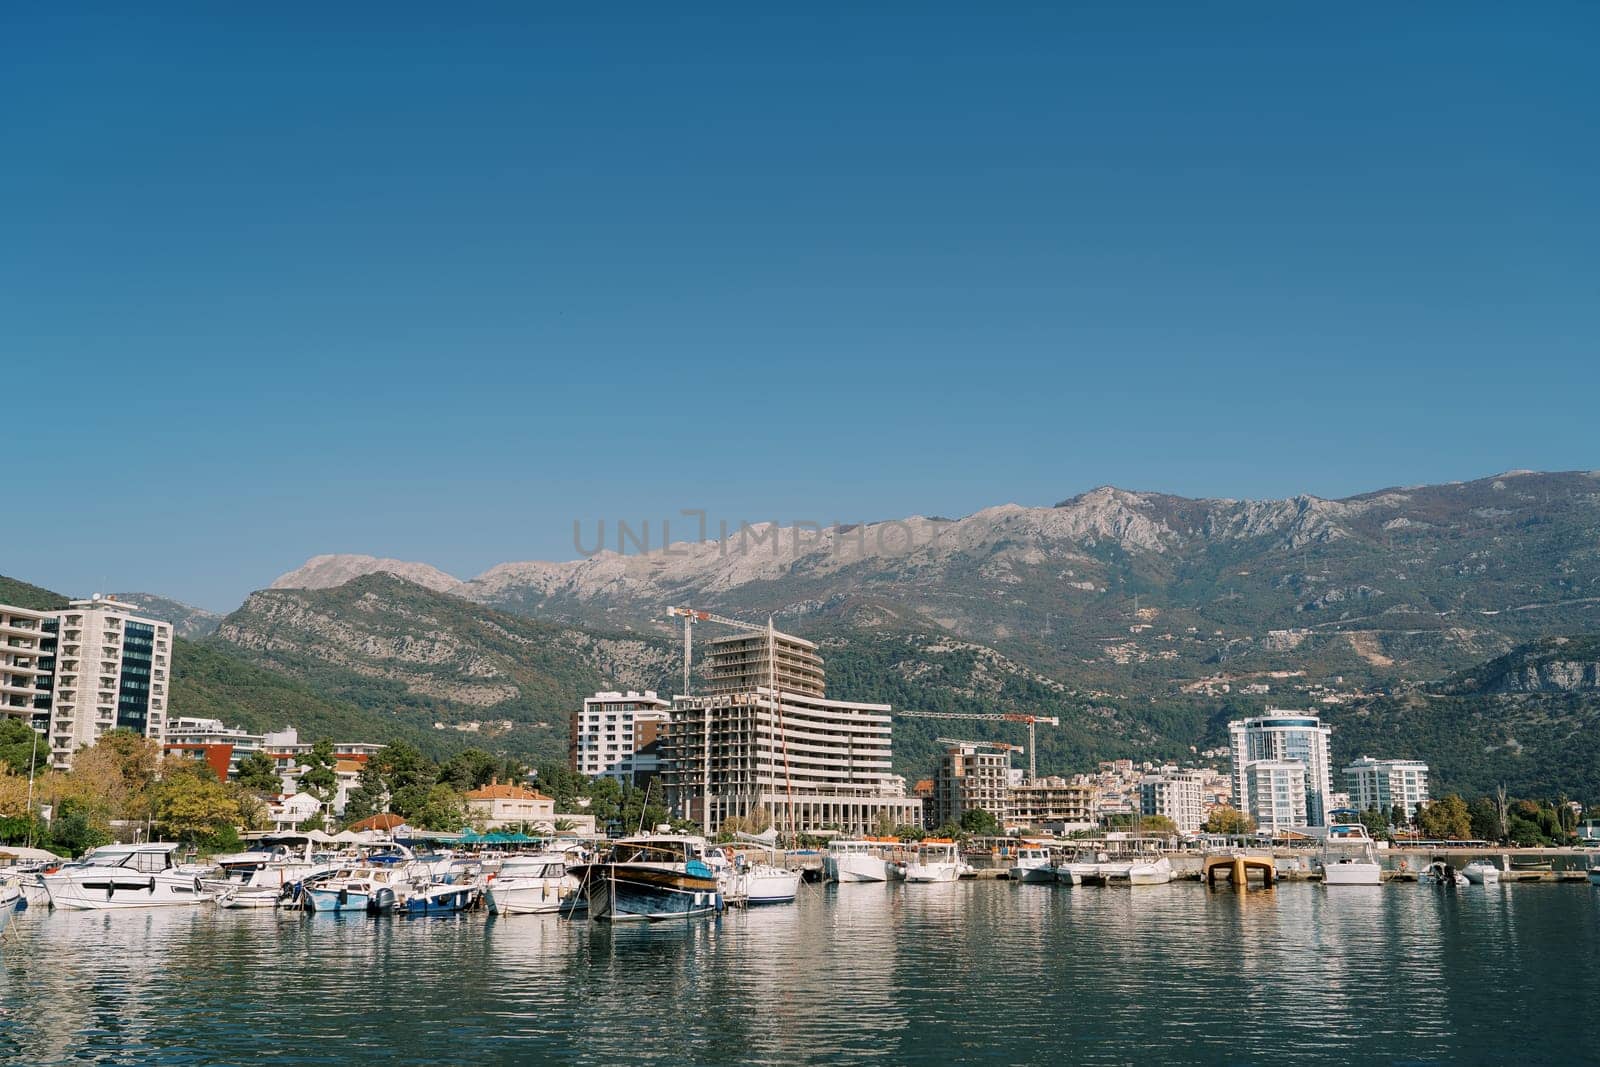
(349, 889)
(765, 883)
(1440, 873)
(1481, 872)
(1156, 872)
(935, 860)
(1032, 864)
(652, 877)
(1349, 857)
(531, 885)
(120, 877)
(856, 861)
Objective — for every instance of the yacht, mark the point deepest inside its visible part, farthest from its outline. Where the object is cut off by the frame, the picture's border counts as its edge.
(652, 877)
(1153, 872)
(531, 885)
(1032, 865)
(1349, 857)
(263, 876)
(1482, 872)
(934, 861)
(855, 861)
(115, 877)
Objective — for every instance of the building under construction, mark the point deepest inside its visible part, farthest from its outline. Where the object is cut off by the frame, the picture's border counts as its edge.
(766, 739)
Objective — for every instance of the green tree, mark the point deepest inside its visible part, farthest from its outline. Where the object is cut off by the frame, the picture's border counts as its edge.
(194, 807)
(910, 833)
(980, 823)
(258, 772)
(1227, 820)
(605, 800)
(21, 747)
(1445, 818)
(76, 829)
(1486, 820)
(639, 808)
(1376, 823)
(319, 778)
(561, 783)
(474, 768)
(443, 810)
(1397, 817)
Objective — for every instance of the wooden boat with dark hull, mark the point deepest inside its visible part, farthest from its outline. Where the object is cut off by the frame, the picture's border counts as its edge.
(651, 878)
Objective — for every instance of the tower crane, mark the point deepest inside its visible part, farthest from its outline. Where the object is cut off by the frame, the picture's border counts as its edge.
(1032, 721)
(691, 616)
(1004, 746)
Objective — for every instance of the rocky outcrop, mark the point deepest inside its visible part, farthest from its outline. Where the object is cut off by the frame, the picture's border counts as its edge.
(326, 572)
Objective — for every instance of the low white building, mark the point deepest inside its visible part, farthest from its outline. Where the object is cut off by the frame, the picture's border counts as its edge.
(1386, 783)
(511, 807)
(292, 811)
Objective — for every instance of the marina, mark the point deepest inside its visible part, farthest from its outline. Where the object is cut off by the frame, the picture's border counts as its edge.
(977, 970)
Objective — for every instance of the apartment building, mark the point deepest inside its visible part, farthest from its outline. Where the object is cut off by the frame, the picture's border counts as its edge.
(1050, 801)
(619, 735)
(112, 671)
(1384, 783)
(971, 776)
(27, 664)
(1176, 794)
(1275, 795)
(219, 745)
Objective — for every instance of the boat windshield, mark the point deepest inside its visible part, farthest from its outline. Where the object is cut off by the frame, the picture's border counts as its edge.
(651, 852)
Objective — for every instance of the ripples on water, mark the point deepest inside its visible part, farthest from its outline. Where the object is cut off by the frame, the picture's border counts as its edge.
(977, 971)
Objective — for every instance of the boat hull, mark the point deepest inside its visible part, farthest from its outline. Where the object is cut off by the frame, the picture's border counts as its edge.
(1157, 873)
(526, 896)
(856, 868)
(1481, 874)
(122, 891)
(769, 887)
(440, 901)
(1353, 873)
(622, 892)
(335, 901)
(933, 872)
(1033, 874)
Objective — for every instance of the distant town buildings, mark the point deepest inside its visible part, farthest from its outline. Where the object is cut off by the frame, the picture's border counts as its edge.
(804, 761)
(1269, 751)
(210, 740)
(1384, 784)
(619, 735)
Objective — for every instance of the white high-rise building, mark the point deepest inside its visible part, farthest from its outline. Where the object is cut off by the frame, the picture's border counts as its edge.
(1275, 795)
(1176, 794)
(1280, 737)
(112, 671)
(27, 648)
(1384, 783)
(619, 735)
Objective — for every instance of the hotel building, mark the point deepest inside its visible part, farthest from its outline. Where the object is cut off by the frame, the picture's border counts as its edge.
(1175, 794)
(1280, 738)
(27, 663)
(112, 671)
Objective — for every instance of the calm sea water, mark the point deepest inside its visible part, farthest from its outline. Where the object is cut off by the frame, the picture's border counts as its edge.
(987, 972)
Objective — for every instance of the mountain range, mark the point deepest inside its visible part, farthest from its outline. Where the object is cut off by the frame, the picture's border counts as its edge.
(1144, 620)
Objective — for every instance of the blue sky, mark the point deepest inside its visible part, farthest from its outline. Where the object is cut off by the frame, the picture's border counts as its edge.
(430, 284)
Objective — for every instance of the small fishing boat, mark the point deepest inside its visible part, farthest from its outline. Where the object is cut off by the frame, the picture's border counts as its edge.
(437, 898)
(1481, 872)
(350, 888)
(1531, 863)
(856, 861)
(1032, 865)
(1349, 857)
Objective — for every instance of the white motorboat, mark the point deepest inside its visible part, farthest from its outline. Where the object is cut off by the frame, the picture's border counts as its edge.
(1441, 873)
(1067, 874)
(763, 883)
(934, 861)
(117, 877)
(1481, 872)
(856, 861)
(1158, 872)
(1349, 857)
(1032, 865)
(531, 885)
